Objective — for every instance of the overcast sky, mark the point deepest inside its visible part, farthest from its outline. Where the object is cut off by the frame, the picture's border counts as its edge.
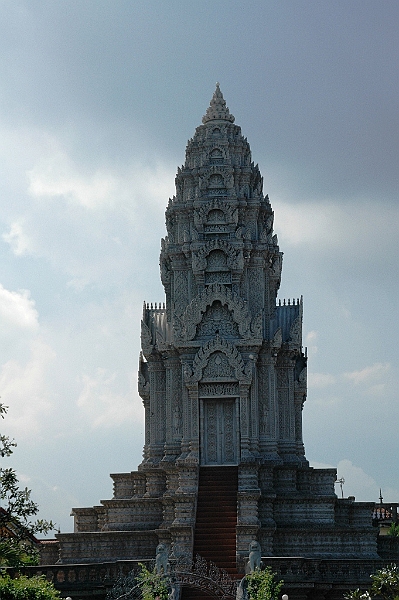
(97, 102)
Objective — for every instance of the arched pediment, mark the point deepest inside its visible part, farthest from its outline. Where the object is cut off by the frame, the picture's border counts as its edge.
(225, 175)
(230, 213)
(186, 326)
(235, 259)
(236, 366)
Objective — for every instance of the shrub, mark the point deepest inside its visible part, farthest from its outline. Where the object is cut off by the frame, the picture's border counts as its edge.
(152, 584)
(27, 588)
(385, 583)
(262, 585)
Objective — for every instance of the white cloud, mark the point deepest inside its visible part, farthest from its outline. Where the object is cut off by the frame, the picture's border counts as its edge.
(320, 380)
(311, 342)
(330, 224)
(308, 223)
(102, 406)
(24, 389)
(368, 374)
(17, 310)
(56, 175)
(18, 239)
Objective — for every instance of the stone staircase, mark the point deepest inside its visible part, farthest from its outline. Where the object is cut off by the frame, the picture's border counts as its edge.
(215, 527)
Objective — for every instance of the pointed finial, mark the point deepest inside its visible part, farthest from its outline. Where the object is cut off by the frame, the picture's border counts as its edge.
(217, 109)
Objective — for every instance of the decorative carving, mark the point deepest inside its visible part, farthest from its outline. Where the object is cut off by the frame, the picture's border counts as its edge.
(254, 559)
(180, 290)
(143, 383)
(217, 319)
(164, 264)
(277, 339)
(146, 339)
(234, 358)
(257, 325)
(185, 327)
(218, 366)
(230, 214)
(256, 289)
(217, 179)
(303, 377)
(215, 390)
(296, 332)
(162, 565)
(234, 258)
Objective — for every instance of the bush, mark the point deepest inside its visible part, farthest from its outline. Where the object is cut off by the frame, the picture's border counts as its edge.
(153, 585)
(27, 588)
(262, 585)
(385, 583)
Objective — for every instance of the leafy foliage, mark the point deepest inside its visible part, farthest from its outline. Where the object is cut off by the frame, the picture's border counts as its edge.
(152, 584)
(27, 588)
(393, 530)
(262, 585)
(357, 594)
(384, 584)
(16, 510)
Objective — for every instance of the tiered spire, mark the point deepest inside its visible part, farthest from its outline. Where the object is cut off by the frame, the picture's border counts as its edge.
(217, 109)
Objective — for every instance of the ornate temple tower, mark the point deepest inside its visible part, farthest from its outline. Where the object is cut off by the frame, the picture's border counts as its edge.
(225, 377)
(222, 376)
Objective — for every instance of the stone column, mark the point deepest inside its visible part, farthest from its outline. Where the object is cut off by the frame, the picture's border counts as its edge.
(156, 410)
(244, 420)
(174, 410)
(247, 507)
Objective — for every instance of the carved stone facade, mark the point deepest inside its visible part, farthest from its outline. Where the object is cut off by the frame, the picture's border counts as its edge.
(222, 375)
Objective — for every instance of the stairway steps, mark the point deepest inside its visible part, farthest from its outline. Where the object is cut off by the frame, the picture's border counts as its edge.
(215, 528)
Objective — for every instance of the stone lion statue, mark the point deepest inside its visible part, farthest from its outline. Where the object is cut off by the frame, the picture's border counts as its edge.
(254, 559)
(161, 559)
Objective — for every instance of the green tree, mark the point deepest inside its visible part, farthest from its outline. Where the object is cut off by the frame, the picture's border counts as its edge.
(153, 585)
(27, 588)
(262, 585)
(16, 511)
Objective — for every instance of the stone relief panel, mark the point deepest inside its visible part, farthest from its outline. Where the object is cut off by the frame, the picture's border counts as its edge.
(216, 390)
(255, 290)
(186, 325)
(215, 215)
(217, 319)
(217, 261)
(234, 258)
(180, 290)
(222, 277)
(243, 373)
(284, 417)
(216, 156)
(263, 399)
(146, 339)
(230, 214)
(218, 366)
(217, 177)
(160, 384)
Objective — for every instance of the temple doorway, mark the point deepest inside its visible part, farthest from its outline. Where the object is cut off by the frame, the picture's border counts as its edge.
(219, 437)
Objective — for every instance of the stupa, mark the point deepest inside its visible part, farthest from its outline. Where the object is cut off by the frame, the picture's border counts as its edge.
(222, 375)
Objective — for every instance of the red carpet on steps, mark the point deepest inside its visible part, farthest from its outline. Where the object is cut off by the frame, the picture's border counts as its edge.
(215, 528)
